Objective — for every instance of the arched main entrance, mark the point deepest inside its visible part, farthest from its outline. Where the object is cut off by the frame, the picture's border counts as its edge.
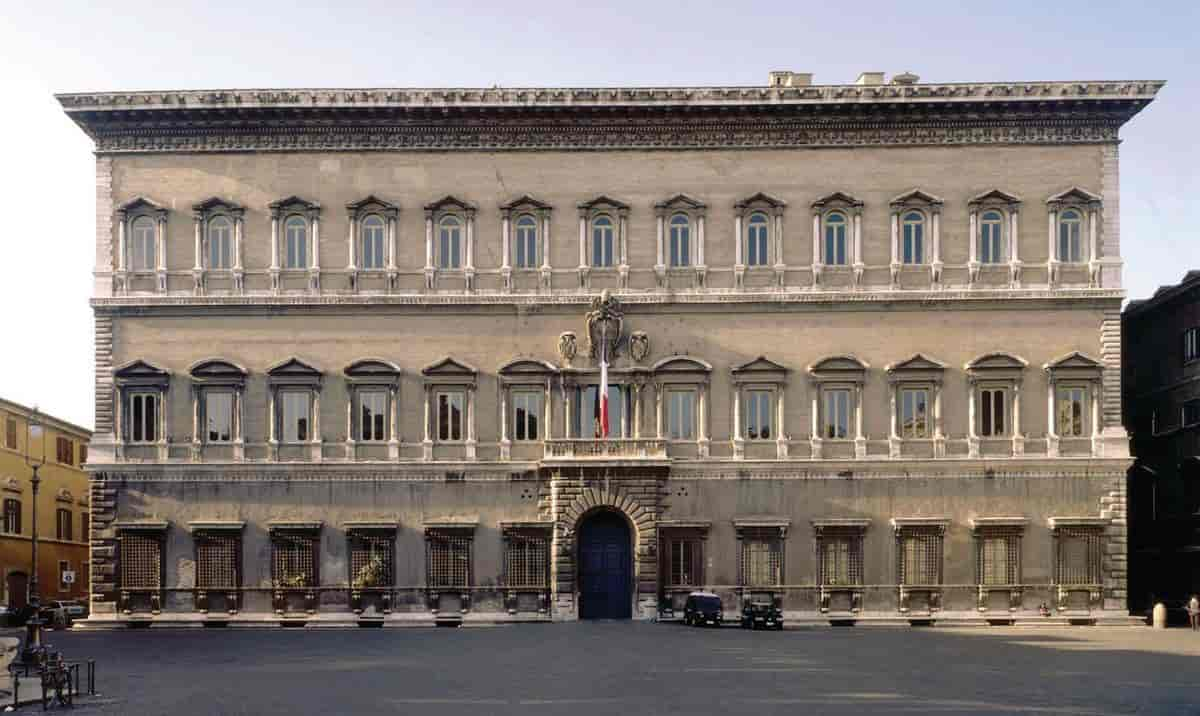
(605, 567)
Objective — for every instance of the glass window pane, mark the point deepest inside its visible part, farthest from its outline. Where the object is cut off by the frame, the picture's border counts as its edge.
(218, 416)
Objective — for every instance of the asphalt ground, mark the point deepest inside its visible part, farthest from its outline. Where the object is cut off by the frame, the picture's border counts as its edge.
(641, 668)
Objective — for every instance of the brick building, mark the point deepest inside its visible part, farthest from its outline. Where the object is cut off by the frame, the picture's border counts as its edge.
(863, 350)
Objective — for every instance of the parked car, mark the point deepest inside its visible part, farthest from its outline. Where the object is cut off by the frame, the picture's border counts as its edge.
(702, 608)
(55, 613)
(762, 613)
(76, 609)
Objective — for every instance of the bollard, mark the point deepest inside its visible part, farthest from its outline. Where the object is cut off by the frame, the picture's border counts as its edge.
(1160, 616)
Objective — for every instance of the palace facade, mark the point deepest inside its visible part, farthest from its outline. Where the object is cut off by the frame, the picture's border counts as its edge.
(864, 341)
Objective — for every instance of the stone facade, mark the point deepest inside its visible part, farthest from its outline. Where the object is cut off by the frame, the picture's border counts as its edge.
(847, 382)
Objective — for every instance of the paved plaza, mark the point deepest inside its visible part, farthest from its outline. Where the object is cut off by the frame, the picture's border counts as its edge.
(640, 668)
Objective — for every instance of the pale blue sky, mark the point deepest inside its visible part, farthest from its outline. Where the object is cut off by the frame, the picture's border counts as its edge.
(45, 47)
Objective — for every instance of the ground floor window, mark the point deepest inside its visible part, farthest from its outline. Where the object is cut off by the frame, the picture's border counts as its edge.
(140, 561)
(448, 558)
(841, 558)
(919, 556)
(372, 560)
(683, 560)
(998, 559)
(1078, 557)
(761, 560)
(293, 560)
(217, 560)
(527, 559)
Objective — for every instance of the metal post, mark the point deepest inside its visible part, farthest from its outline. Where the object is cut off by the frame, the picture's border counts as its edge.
(33, 627)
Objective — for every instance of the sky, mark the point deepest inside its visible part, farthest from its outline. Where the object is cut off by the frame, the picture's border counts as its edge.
(47, 230)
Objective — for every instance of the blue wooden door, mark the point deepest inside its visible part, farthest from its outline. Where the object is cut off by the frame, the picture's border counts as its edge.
(605, 568)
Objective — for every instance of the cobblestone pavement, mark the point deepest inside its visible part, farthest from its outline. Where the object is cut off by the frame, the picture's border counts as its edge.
(638, 668)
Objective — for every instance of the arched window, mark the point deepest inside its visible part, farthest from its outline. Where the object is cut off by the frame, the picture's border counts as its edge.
(295, 236)
(991, 228)
(602, 241)
(1070, 246)
(373, 232)
(527, 242)
(220, 242)
(681, 234)
(756, 240)
(142, 245)
(450, 242)
(835, 239)
(913, 224)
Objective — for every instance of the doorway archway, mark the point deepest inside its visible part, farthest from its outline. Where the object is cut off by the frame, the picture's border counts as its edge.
(605, 567)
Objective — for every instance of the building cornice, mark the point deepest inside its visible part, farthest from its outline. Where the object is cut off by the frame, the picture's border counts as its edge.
(293, 120)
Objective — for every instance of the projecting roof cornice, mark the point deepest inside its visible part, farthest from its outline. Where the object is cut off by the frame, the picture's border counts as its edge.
(607, 118)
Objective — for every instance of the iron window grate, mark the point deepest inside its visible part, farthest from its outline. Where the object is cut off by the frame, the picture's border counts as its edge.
(527, 560)
(448, 558)
(761, 563)
(919, 557)
(1079, 557)
(293, 560)
(372, 560)
(217, 561)
(141, 562)
(841, 558)
(998, 557)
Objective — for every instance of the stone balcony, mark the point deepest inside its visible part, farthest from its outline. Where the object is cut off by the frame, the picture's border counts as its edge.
(606, 450)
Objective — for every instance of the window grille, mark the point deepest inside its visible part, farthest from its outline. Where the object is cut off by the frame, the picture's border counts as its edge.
(372, 560)
(293, 560)
(683, 557)
(1191, 346)
(1079, 556)
(998, 561)
(527, 559)
(919, 557)
(841, 559)
(762, 561)
(217, 561)
(448, 558)
(141, 561)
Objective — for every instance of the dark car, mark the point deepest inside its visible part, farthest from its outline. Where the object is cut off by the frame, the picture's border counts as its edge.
(762, 613)
(702, 608)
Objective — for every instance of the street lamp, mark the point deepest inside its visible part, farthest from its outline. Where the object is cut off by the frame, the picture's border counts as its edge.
(33, 627)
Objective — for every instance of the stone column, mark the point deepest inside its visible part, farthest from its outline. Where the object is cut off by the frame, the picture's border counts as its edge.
(350, 453)
(273, 422)
(780, 266)
(860, 440)
(739, 268)
(198, 265)
(471, 441)
(893, 428)
(781, 439)
(859, 265)
(239, 416)
(393, 423)
(314, 272)
(816, 248)
(636, 390)
(1014, 243)
(583, 256)
(939, 435)
(546, 271)
(430, 272)
(274, 251)
(505, 250)
(393, 275)
(935, 266)
(702, 420)
(316, 425)
(973, 243)
(814, 432)
(701, 267)
(427, 427)
(739, 441)
(1097, 434)
(1018, 439)
(659, 390)
(660, 267)
(547, 412)
(568, 403)
(1051, 425)
(1093, 249)
(469, 270)
(196, 444)
(122, 262)
(623, 269)
(895, 265)
(351, 244)
(1052, 258)
(505, 443)
(972, 419)
(160, 240)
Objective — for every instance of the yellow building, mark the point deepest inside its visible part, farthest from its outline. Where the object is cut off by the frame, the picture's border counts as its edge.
(64, 515)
